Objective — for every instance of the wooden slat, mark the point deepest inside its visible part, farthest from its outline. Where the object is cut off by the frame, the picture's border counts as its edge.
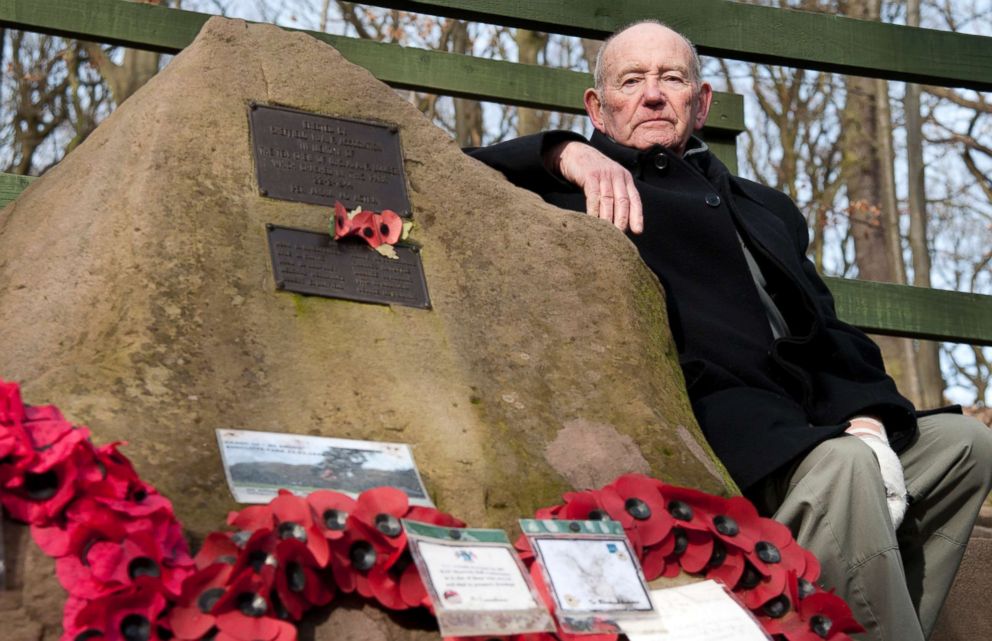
(918, 312)
(11, 186)
(158, 28)
(875, 307)
(753, 32)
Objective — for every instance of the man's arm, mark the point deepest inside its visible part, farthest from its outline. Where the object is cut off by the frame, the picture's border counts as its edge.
(536, 162)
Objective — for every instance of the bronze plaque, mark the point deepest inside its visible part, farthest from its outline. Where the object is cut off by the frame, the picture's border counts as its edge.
(313, 263)
(317, 159)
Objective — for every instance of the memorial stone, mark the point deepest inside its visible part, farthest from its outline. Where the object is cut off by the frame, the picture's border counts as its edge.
(137, 293)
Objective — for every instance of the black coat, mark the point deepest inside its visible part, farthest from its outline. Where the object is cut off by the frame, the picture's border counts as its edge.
(761, 402)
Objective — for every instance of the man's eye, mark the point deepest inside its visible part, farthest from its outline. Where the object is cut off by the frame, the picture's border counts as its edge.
(673, 79)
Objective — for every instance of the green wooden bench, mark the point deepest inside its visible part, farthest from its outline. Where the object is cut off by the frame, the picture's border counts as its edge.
(718, 27)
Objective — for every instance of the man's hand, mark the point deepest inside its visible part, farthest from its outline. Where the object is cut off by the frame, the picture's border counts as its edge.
(872, 433)
(609, 188)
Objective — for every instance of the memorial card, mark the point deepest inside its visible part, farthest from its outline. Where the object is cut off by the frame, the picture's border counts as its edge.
(591, 572)
(258, 464)
(476, 581)
(702, 611)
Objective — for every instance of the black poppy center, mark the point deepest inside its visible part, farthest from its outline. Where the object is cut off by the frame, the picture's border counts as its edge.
(86, 635)
(251, 604)
(41, 487)
(719, 554)
(335, 519)
(209, 599)
(290, 530)
(162, 634)
(139, 495)
(680, 510)
(637, 508)
(726, 525)
(367, 232)
(296, 578)
(143, 566)
(362, 556)
(388, 525)
(596, 515)
(135, 627)
(258, 558)
(750, 578)
(681, 541)
(777, 607)
(767, 552)
(805, 588)
(820, 625)
(340, 221)
(384, 229)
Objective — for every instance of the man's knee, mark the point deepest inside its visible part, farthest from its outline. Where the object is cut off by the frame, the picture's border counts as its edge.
(968, 439)
(841, 457)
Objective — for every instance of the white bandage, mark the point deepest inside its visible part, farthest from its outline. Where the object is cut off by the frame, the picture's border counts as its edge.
(888, 462)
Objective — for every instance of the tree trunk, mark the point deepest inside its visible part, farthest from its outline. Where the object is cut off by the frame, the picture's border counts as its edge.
(530, 44)
(927, 353)
(864, 177)
(468, 113)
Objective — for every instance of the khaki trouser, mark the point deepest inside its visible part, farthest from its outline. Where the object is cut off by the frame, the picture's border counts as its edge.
(834, 502)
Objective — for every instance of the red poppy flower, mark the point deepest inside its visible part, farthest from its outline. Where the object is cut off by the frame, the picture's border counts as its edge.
(138, 557)
(818, 616)
(298, 580)
(245, 612)
(289, 516)
(644, 507)
(331, 510)
(112, 474)
(46, 487)
(192, 617)
(218, 547)
(373, 543)
(726, 564)
(737, 524)
(390, 226)
(258, 554)
(691, 509)
(82, 523)
(606, 503)
(692, 551)
(128, 615)
(376, 519)
(15, 444)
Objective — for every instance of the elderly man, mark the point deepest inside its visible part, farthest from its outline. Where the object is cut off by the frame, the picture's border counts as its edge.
(795, 402)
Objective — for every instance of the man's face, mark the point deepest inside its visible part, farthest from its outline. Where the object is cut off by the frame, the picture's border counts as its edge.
(649, 97)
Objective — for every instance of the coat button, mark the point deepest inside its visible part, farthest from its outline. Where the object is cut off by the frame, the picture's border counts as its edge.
(661, 162)
(712, 200)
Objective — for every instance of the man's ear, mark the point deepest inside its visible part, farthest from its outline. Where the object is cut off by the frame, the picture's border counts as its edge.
(703, 102)
(594, 107)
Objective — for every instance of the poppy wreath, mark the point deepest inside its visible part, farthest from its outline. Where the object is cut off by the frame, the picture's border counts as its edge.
(121, 556)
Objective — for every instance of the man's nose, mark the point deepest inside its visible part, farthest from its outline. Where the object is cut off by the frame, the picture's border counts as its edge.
(652, 90)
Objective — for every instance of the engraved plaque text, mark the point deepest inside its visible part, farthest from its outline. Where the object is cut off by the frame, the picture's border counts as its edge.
(318, 159)
(313, 263)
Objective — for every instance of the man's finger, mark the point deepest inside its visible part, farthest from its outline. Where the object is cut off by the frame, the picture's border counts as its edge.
(592, 197)
(636, 209)
(621, 202)
(606, 198)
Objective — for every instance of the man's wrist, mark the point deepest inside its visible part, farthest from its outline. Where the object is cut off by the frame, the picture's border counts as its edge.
(867, 426)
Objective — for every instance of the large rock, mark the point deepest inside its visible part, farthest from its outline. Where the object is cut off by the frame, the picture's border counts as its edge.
(136, 293)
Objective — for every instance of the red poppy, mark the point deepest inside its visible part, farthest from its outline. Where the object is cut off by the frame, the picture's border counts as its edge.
(46, 487)
(726, 564)
(643, 507)
(258, 554)
(289, 516)
(691, 509)
(138, 557)
(331, 510)
(191, 616)
(376, 519)
(128, 615)
(818, 616)
(298, 580)
(692, 551)
(218, 547)
(15, 444)
(245, 612)
(737, 523)
(82, 523)
(112, 474)
(606, 503)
